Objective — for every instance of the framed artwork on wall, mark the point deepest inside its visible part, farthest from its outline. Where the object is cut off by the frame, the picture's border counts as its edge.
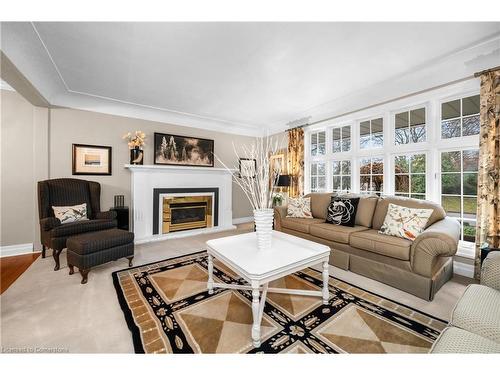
(91, 160)
(186, 151)
(248, 167)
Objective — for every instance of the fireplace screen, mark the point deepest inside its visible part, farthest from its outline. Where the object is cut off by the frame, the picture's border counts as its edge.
(187, 212)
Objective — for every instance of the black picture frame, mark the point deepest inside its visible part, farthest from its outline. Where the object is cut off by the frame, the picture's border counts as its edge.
(184, 148)
(247, 160)
(79, 169)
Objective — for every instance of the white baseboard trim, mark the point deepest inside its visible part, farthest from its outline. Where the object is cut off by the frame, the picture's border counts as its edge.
(24, 248)
(463, 269)
(241, 220)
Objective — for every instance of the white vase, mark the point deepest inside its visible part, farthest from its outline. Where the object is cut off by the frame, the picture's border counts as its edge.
(263, 219)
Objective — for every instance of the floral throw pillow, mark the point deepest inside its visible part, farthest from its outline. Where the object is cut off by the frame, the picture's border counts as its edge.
(405, 222)
(342, 211)
(299, 207)
(69, 214)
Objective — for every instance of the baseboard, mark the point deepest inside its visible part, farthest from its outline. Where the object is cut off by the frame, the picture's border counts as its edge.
(241, 220)
(463, 269)
(24, 248)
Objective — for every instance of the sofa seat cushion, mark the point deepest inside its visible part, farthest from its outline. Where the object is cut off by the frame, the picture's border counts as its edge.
(96, 241)
(332, 232)
(299, 224)
(76, 227)
(478, 311)
(375, 242)
(456, 340)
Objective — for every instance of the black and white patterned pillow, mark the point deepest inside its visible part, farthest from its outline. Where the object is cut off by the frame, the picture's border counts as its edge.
(342, 211)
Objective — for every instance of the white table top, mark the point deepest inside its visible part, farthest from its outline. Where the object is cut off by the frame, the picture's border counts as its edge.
(286, 252)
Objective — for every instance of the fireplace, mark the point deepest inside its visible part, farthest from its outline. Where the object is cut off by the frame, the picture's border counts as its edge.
(186, 212)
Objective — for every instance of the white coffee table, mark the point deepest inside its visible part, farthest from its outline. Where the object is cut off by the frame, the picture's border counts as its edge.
(287, 255)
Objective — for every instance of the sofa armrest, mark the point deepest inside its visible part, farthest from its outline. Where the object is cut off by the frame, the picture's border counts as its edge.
(279, 213)
(438, 240)
(48, 223)
(110, 215)
(490, 270)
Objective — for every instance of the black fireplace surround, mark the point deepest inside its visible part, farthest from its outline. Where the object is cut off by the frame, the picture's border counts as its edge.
(156, 202)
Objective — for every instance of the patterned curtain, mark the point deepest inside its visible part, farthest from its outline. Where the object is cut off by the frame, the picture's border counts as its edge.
(296, 161)
(488, 195)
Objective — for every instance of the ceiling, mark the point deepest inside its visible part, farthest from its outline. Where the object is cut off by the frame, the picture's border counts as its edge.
(235, 77)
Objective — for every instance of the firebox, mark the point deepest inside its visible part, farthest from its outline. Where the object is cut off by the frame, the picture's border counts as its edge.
(186, 212)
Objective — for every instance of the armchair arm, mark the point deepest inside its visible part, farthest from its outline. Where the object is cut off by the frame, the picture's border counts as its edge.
(279, 213)
(490, 271)
(438, 240)
(109, 215)
(48, 223)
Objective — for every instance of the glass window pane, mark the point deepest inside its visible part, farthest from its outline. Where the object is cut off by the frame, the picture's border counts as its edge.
(346, 132)
(336, 133)
(377, 125)
(321, 183)
(417, 133)
(450, 183)
(336, 182)
(321, 143)
(470, 105)
(336, 167)
(377, 139)
(470, 183)
(470, 125)
(469, 231)
(314, 149)
(377, 166)
(314, 185)
(450, 109)
(402, 183)
(364, 128)
(417, 117)
(364, 183)
(417, 163)
(402, 136)
(314, 169)
(321, 169)
(450, 129)
(450, 161)
(365, 166)
(417, 196)
(401, 120)
(346, 144)
(402, 195)
(346, 183)
(418, 183)
(451, 205)
(346, 167)
(470, 160)
(470, 207)
(401, 164)
(336, 146)
(378, 183)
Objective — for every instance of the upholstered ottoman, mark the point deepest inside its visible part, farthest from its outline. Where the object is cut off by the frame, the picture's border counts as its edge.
(92, 249)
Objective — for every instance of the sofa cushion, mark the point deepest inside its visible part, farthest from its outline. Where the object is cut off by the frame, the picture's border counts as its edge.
(375, 242)
(319, 204)
(336, 233)
(456, 340)
(366, 208)
(478, 311)
(77, 227)
(383, 203)
(299, 224)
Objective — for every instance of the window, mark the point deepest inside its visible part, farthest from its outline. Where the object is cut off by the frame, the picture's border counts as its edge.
(371, 175)
(409, 127)
(460, 117)
(341, 175)
(459, 188)
(341, 139)
(318, 177)
(318, 144)
(409, 175)
(371, 133)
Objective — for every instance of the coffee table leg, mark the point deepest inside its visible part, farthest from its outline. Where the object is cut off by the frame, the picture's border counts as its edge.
(325, 283)
(210, 283)
(256, 317)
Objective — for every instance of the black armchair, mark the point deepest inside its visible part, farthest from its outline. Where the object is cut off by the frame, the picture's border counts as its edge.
(69, 192)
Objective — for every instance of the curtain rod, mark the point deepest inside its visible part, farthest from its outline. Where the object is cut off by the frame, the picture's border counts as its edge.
(486, 71)
(391, 100)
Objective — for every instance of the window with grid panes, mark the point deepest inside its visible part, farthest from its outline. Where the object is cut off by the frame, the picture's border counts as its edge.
(460, 117)
(409, 175)
(341, 175)
(371, 175)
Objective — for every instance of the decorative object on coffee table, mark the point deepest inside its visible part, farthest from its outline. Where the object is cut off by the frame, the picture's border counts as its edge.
(187, 151)
(135, 142)
(258, 189)
(91, 160)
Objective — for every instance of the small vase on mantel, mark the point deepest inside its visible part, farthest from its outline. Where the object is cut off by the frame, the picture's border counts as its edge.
(136, 156)
(263, 219)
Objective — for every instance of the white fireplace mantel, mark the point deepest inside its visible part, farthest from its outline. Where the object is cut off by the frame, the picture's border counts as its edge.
(145, 178)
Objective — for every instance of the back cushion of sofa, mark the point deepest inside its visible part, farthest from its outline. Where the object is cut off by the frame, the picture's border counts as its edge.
(366, 208)
(319, 204)
(383, 203)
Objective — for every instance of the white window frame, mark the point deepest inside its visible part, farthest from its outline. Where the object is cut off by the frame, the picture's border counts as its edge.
(340, 127)
(318, 175)
(393, 173)
(341, 175)
(384, 129)
(411, 145)
(371, 157)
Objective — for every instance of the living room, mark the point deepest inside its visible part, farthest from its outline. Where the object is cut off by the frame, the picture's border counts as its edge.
(241, 187)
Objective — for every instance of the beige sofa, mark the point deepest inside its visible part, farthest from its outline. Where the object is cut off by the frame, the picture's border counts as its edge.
(418, 267)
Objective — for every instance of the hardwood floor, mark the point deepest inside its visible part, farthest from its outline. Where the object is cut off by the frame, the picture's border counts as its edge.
(13, 267)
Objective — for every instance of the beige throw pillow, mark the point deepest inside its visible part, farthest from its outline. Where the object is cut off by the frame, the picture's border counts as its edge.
(299, 207)
(70, 214)
(405, 222)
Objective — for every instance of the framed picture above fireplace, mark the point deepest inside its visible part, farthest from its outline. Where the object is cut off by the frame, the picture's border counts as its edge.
(186, 151)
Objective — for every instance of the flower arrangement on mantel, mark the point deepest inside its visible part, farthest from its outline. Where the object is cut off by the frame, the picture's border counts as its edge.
(258, 185)
(135, 140)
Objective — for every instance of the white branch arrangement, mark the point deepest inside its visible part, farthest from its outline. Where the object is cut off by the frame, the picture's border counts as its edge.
(255, 182)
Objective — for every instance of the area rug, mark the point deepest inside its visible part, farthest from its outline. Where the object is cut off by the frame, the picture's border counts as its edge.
(168, 310)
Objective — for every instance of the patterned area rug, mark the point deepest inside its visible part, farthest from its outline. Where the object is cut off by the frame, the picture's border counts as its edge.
(168, 309)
